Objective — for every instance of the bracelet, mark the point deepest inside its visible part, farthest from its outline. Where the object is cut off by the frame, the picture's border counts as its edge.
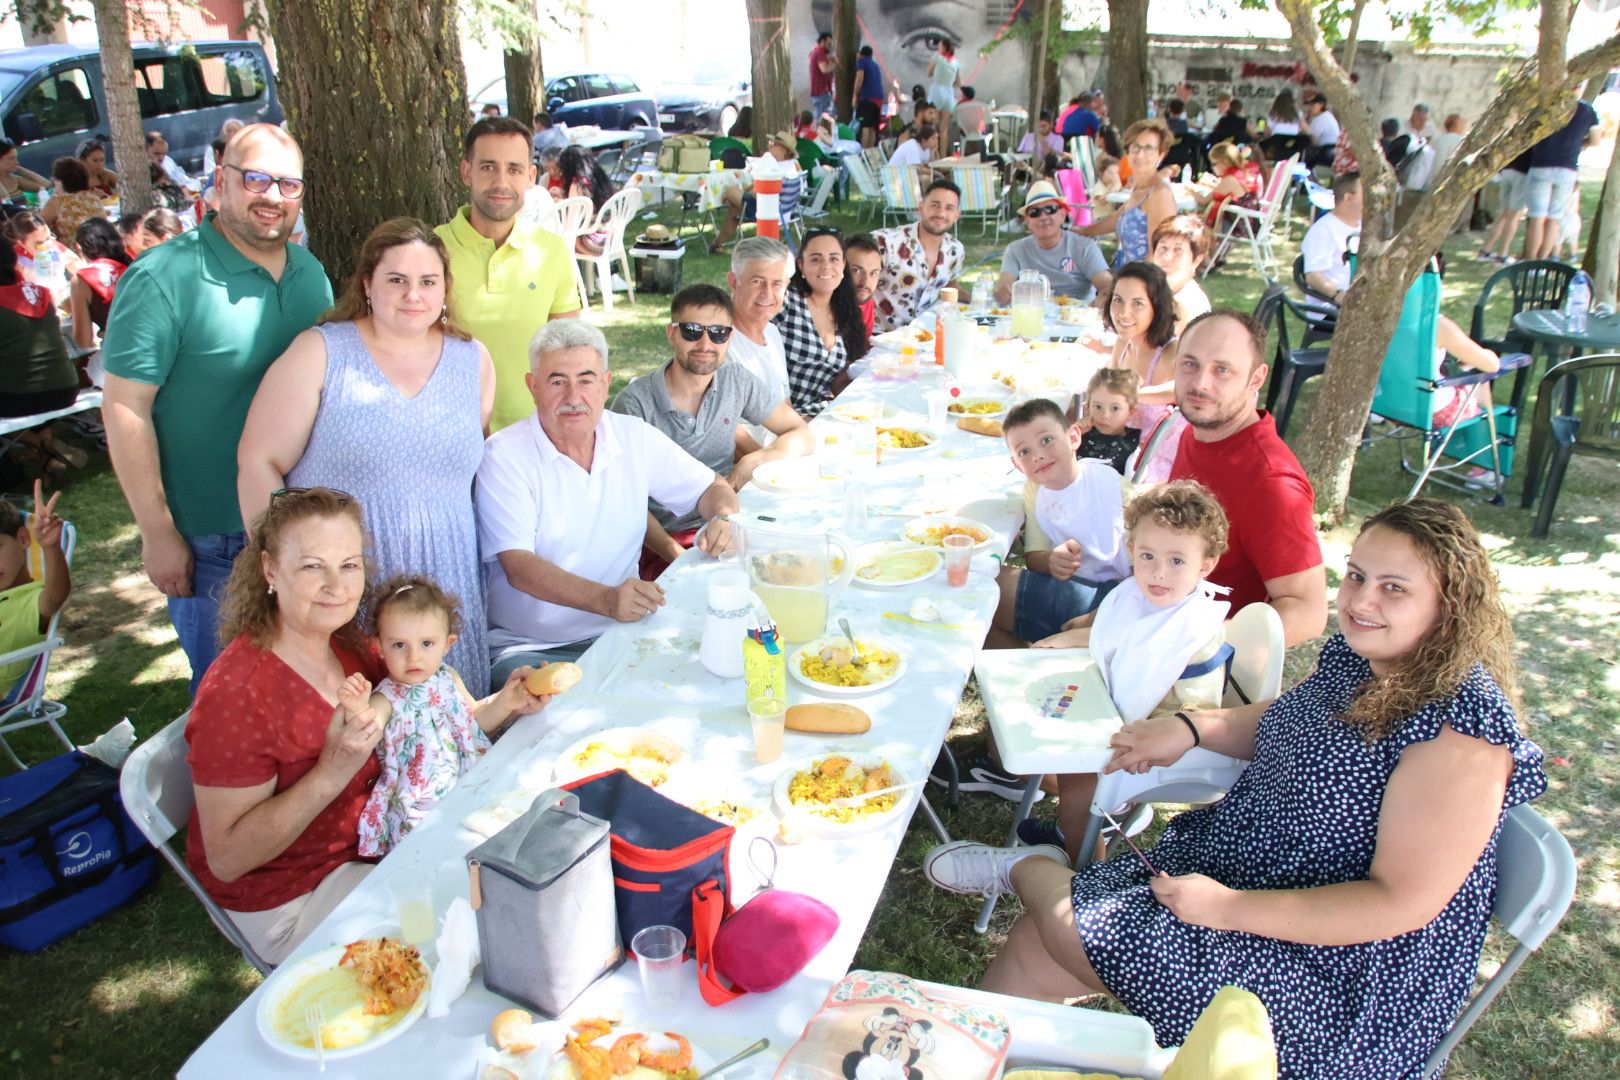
(1185, 719)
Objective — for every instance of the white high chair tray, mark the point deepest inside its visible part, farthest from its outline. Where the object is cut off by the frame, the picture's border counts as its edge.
(1015, 683)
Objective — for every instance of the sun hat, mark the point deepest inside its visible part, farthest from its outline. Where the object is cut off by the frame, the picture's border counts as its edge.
(1041, 191)
(786, 139)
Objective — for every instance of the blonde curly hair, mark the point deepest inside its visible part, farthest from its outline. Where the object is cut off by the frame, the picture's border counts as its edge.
(1473, 624)
(248, 606)
(1182, 506)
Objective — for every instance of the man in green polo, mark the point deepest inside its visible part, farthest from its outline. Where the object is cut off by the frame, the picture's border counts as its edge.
(508, 277)
(194, 324)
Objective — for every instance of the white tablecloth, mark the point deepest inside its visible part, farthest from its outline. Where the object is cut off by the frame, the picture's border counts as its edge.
(647, 674)
(710, 186)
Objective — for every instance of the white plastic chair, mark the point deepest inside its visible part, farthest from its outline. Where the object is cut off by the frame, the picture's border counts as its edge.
(1261, 222)
(570, 219)
(611, 221)
(1256, 637)
(155, 784)
(31, 707)
(537, 204)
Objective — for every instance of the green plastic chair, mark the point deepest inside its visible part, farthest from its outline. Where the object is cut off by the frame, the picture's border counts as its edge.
(811, 154)
(1406, 396)
(721, 143)
(846, 131)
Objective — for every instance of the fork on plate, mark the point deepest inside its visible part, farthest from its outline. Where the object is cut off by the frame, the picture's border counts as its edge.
(315, 1020)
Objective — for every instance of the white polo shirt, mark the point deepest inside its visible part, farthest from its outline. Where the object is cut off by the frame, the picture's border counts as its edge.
(532, 497)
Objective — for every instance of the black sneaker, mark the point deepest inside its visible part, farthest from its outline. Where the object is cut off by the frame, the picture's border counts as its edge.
(1033, 832)
(978, 774)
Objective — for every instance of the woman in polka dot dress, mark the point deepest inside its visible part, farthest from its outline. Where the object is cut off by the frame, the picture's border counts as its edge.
(1348, 876)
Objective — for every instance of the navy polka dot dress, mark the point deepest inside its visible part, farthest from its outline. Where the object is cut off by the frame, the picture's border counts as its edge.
(1305, 814)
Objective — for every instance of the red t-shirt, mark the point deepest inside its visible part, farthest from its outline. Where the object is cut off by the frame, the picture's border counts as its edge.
(868, 313)
(821, 82)
(1268, 501)
(255, 719)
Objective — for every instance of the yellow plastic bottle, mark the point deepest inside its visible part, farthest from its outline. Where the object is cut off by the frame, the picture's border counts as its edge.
(764, 664)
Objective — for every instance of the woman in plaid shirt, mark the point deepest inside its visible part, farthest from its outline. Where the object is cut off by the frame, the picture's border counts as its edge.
(820, 322)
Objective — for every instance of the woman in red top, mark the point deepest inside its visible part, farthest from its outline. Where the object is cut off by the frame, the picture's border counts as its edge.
(1239, 179)
(102, 247)
(281, 772)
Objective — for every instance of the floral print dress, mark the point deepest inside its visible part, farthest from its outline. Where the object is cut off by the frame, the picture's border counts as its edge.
(430, 740)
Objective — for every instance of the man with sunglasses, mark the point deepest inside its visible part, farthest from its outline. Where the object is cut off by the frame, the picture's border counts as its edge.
(698, 399)
(1072, 264)
(192, 330)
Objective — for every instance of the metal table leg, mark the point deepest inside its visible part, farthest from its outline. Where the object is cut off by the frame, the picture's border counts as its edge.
(1032, 788)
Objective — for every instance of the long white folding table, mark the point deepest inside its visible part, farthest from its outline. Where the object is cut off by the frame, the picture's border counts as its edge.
(647, 674)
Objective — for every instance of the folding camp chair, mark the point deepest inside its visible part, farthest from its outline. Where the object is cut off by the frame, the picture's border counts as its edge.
(1073, 186)
(23, 704)
(826, 180)
(866, 185)
(979, 196)
(1234, 223)
(155, 784)
(902, 191)
(1083, 149)
(1406, 393)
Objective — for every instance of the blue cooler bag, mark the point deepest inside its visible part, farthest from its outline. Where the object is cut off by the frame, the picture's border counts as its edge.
(68, 852)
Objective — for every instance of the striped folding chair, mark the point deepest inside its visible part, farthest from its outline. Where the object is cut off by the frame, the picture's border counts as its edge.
(979, 195)
(866, 184)
(902, 191)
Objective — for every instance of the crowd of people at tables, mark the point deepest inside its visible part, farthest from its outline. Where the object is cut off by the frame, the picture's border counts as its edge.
(441, 432)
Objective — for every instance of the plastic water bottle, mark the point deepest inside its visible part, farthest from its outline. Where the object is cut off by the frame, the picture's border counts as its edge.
(1578, 303)
(48, 267)
(1152, 108)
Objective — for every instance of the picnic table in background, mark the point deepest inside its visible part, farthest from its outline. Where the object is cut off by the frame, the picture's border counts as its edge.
(710, 187)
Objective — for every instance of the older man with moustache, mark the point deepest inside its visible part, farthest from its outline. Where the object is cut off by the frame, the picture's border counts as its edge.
(1232, 448)
(562, 503)
(192, 330)
(508, 277)
(698, 400)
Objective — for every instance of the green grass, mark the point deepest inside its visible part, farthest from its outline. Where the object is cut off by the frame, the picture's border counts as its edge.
(134, 994)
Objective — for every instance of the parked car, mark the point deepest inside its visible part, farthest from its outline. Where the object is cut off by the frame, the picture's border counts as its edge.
(606, 100)
(709, 102)
(53, 97)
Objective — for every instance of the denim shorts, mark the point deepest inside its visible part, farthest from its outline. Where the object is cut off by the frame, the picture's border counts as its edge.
(1512, 194)
(1547, 191)
(1044, 603)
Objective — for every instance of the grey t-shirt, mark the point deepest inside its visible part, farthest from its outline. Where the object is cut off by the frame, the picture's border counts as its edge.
(1069, 267)
(736, 395)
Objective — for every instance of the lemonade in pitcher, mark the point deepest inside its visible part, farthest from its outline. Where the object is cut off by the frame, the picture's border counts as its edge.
(800, 614)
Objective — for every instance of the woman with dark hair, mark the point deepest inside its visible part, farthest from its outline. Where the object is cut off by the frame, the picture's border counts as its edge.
(93, 153)
(743, 127)
(14, 179)
(160, 224)
(27, 232)
(74, 202)
(820, 321)
(388, 398)
(581, 175)
(1232, 126)
(91, 295)
(35, 373)
(1141, 309)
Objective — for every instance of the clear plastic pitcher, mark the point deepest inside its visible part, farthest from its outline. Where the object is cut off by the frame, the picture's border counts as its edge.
(798, 575)
(1029, 295)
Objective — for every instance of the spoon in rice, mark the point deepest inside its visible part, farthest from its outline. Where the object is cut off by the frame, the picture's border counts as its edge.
(855, 656)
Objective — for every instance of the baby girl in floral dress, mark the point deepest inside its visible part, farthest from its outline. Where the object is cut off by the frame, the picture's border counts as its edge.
(433, 731)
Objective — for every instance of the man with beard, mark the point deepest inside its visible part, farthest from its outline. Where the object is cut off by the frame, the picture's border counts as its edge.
(863, 263)
(698, 399)
(508, 277)
(191, 332)
(1232, 448)
(919, 259)
(562, 500)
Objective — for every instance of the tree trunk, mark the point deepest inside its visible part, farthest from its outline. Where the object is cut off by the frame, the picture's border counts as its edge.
(1127, 62)
(1603, 249)
(123, 108)
(524, 81)
(773, 73)
(1038, 65)
(846, 40)
(401, 80)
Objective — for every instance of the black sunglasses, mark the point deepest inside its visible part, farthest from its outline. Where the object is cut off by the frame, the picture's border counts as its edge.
(288, 492)
(259, 183)
(693, 331)
(823, 230)
(1044, 211)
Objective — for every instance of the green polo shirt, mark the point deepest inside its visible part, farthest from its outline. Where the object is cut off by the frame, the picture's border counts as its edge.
(196, 319)
(502, 295)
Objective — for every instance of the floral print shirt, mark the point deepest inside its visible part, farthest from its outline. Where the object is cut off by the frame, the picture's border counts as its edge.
(430, 740)
(906, 285)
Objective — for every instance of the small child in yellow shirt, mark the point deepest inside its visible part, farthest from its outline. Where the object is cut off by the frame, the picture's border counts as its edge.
(27, 606)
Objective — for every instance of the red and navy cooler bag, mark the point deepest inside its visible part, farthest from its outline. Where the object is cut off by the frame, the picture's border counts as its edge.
(68, 852)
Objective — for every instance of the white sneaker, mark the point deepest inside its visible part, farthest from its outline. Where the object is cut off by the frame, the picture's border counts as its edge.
(618, 284)
(965, 866)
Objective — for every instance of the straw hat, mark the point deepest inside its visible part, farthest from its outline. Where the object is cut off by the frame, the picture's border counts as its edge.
(786, 139)
(1039, 192)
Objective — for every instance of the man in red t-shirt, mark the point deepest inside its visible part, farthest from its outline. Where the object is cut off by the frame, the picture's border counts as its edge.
(1232, 448)
(822, 65)
(863, 263)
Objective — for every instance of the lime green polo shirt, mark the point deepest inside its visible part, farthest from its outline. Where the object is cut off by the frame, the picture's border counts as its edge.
(502, 295)
(199, 321)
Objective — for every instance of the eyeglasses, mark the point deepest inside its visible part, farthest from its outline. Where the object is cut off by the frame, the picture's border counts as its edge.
(258, 182)
(694, 331)
(1142, 148)
(1044, 211)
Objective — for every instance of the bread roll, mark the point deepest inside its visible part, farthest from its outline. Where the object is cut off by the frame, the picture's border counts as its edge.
(828, 719)
(980, 425)
(554, 678)
(513, 1032)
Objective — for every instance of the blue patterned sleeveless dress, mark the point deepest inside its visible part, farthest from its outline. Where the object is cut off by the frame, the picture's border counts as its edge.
(410, 462)
(1303, 815)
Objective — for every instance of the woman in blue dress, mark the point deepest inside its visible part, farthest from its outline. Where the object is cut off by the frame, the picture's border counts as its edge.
(1149, 202)
(1347, 878)
(387, 399)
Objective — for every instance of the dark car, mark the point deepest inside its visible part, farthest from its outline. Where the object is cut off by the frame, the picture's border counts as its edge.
(709, 102)
(52, 97)
(609, 101)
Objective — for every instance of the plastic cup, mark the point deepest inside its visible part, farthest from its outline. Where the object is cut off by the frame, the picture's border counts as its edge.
(660, 952)
(768, 716)
(412, 891)
(937, 402)
(958, 556)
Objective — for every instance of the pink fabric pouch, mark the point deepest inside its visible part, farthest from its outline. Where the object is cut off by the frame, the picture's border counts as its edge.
(762, 945)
